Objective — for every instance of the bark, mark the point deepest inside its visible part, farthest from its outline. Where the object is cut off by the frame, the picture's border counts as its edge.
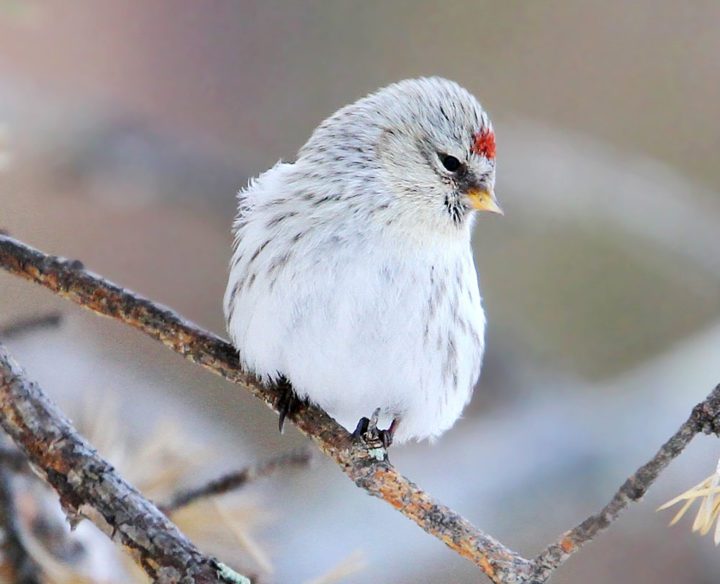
(89, 487)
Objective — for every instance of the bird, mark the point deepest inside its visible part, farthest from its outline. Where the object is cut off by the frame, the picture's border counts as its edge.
(352, 283)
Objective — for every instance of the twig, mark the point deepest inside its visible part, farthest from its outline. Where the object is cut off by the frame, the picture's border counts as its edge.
(30, 324)
(89, 487)
(367, 468)
(237, 479)
(705, 417)
(24, 568)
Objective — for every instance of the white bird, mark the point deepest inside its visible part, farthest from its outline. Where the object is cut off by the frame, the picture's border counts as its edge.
(352, 275)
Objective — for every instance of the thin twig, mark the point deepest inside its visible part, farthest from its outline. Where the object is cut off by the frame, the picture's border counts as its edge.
(705, 417)
(368, 468)
(30, 324)
(234, 480)
(24, 569)
(89, 487)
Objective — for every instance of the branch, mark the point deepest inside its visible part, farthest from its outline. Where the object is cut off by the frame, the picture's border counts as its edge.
(89, 487)
(368, 468)
(69, 279)
(237, 479)
(704, 418)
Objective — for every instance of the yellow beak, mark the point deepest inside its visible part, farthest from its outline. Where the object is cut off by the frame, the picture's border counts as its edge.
(484, 200)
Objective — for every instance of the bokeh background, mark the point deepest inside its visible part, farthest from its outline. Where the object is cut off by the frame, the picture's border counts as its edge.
(127, 127)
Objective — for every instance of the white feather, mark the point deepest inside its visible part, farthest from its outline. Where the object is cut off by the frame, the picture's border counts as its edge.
(361, 292)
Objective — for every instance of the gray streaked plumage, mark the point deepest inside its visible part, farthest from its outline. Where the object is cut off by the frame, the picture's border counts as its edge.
(352, 274)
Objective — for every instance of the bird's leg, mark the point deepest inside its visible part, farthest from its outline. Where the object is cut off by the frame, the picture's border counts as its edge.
(390, 432)
(288, 401)
(361, 428)
(387, 435)
(368, 431)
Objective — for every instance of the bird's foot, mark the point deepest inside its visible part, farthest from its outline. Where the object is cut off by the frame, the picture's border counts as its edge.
(287, 403)
(367, 431)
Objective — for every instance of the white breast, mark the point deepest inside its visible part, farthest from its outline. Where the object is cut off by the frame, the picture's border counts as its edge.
(355, 321)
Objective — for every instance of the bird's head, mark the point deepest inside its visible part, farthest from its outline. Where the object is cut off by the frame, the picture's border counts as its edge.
(422, 149)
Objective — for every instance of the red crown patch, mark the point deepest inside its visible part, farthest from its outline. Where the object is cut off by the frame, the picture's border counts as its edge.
(484, 144)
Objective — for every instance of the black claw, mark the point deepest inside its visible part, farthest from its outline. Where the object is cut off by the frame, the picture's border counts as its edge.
(367, 431)
(284, 411)
(386, 437)
(287, 403)
(361, 428)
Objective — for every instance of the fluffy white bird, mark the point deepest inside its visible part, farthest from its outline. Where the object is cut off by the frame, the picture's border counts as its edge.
(352, 275)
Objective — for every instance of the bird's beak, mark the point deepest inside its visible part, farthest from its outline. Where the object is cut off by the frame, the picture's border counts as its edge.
(483, 200)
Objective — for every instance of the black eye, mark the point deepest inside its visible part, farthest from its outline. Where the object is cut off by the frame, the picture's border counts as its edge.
(450, 163)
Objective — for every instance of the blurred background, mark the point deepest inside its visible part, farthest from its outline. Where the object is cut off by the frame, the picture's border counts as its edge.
(127, 127)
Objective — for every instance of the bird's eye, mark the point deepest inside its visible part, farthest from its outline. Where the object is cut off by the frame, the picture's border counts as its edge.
(450, 163)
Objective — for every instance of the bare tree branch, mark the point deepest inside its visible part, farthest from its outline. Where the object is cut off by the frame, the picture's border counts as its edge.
(367, 467)
(89, 487)
(705, 418)
(235, 480)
